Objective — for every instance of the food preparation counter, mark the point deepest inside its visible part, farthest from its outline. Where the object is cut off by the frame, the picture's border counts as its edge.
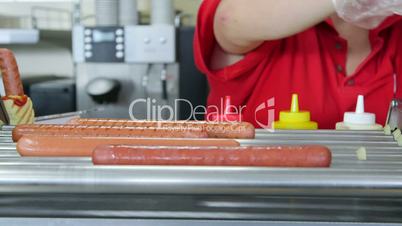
(71, 191)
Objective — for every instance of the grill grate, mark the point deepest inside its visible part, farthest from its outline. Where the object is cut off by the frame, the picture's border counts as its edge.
(350, 189)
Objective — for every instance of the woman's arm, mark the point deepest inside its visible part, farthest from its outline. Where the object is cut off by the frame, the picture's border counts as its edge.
(242, 25)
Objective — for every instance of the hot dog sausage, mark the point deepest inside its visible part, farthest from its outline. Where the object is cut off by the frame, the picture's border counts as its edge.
(68, 146)
(286, 156)
(106, 131)
(228, 130)
(10, 73)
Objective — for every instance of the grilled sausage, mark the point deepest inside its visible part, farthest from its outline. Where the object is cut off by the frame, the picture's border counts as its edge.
(272, 156)
(228, 130)
(106, 131)
(10, 73)
(75, 146)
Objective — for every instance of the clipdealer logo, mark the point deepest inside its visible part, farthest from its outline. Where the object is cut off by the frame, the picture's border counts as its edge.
(268, 107)
(164, 112)
(264, 113)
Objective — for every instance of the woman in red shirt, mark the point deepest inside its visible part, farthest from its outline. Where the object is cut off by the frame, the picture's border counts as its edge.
(261, 51)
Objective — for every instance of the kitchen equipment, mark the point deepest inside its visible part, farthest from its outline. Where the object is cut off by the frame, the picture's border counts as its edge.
(53, 97)
(394, 119)
(294, 119)
(142, 58)
(359, 120)
(104, 90)
(55, 191)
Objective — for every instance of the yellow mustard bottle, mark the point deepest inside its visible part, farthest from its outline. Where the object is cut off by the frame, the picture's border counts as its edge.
(294, 119)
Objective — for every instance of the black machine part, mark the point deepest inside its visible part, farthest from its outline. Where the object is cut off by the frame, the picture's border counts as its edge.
(193, 84)
(103, 90)
(53, 96)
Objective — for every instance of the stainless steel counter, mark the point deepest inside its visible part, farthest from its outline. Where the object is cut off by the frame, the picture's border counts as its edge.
(351, 191)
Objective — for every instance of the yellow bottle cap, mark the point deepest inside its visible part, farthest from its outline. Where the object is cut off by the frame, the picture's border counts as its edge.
(294, 119)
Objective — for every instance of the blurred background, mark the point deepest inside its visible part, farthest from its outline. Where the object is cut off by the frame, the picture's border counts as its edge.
(83, 55)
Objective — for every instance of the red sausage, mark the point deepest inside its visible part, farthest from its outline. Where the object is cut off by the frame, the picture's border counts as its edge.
(283, 156)
(228, 130)
(75, 146)
(106, 131)
(10, 73)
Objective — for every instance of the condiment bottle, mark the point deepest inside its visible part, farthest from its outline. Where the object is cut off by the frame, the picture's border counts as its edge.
(228, 114)
(294, 119)
(359, 120)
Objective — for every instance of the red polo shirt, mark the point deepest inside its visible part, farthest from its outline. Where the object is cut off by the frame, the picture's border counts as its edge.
(311, 64)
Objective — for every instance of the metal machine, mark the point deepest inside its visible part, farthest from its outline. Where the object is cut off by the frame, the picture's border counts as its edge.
(116, 64)
(71, 191)
(125, 60)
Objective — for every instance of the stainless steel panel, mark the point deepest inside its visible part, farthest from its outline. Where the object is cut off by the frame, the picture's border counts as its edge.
(350, 191)
(78, 44)
(144, 222)
(130, 76)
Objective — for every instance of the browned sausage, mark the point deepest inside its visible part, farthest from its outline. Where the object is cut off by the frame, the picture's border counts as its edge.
(10, 73)
(284, 156)
(68, 146)
(228, 130)
(106, 131)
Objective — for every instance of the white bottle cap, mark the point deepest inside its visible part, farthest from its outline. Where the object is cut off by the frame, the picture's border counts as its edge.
(359, 117)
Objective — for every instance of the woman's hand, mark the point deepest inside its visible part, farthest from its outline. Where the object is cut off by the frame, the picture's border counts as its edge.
(367, 13)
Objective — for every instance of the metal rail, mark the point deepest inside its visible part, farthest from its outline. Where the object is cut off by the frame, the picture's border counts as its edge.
(349, 191)
(380, 175)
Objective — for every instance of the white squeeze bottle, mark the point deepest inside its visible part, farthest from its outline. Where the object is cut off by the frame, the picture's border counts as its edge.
(359, 120)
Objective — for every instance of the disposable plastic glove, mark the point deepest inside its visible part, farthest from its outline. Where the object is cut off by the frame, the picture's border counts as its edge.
(367, 13)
